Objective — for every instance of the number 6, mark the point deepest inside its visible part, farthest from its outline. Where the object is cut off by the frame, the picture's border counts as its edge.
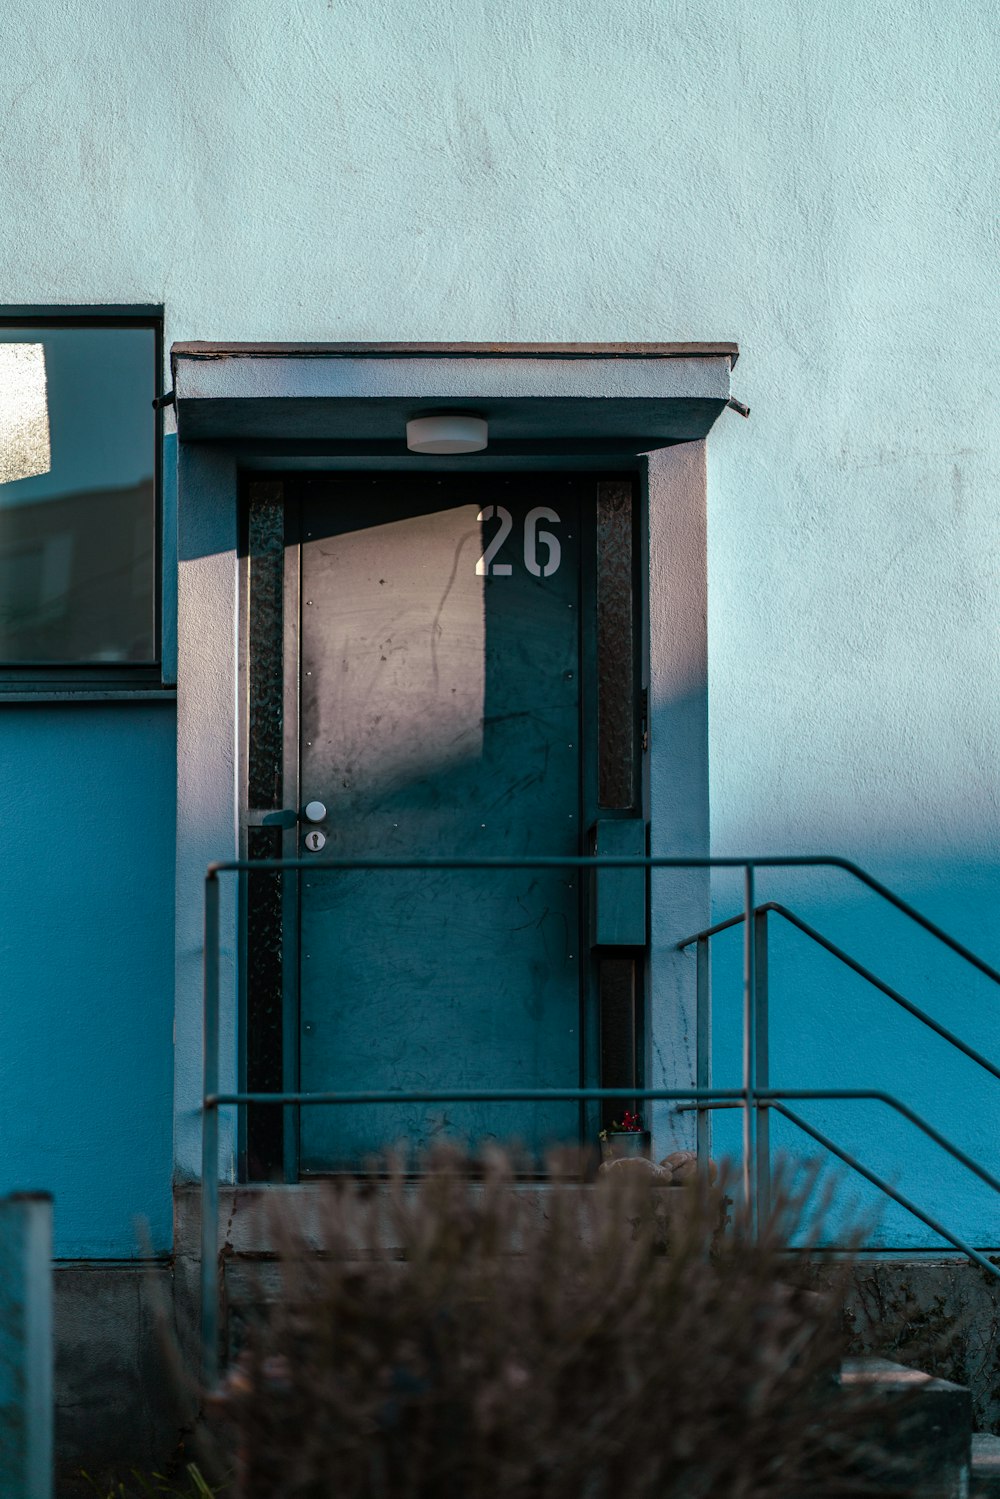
(532, 536)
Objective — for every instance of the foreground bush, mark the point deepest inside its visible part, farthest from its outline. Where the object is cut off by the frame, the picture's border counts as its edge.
(154, 1486)
(456, 1340)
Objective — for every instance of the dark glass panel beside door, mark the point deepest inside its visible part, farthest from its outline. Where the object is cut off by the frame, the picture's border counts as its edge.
(264, 1055)
(619, 1031)
(77, 496)
(265, 891)
(615, 647)
(266, 546)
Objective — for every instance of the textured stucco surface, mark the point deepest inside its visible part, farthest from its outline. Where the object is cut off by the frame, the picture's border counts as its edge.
(817, 183)
(86, 953)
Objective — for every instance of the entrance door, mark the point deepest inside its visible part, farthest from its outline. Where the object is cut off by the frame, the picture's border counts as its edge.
(440, 714)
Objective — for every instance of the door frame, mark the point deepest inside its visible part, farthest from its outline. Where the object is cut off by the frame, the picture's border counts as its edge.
(287, 484)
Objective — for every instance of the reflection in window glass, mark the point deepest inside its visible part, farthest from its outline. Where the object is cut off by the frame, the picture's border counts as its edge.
(77, 496)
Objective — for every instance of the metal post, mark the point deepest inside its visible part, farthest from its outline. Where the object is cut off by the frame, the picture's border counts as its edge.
(762, 1075)
(703, 1049)
(210, 1142)
(749, 1050)
(26, 1346)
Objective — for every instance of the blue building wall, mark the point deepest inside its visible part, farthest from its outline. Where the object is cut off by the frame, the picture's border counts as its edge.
(830, 1029)
(86, 954)
(816, 183)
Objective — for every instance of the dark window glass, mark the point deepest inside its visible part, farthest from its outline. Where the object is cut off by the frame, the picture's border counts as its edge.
(77, 496)
(615, 647)
(265, 931)
(266, 543)
(619, 1031)
(265, 1125)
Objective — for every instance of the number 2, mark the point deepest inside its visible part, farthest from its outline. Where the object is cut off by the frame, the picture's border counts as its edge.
(486, 567)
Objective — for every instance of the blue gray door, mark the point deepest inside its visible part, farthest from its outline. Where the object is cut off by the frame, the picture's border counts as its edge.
(440, 714)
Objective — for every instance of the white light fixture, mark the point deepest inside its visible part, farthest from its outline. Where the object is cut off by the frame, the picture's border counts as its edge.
(447, 432)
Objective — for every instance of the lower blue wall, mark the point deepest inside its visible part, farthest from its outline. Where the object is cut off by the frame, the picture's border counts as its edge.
(86, 957)
(829, 1029)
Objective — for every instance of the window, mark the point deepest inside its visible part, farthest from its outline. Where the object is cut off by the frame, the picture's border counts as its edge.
(79, 585)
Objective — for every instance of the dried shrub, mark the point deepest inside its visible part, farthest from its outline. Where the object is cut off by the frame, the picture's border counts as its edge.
(460, 1338)
(192, 1485)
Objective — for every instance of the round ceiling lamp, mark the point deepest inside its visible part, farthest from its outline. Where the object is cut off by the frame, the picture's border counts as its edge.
(447, 432)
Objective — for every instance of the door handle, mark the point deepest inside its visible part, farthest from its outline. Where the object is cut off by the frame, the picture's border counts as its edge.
(286, 817)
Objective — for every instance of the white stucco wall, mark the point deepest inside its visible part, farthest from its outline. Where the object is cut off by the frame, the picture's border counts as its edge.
(817, 183)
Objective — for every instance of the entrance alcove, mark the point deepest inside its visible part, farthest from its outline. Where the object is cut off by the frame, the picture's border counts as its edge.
(319, 431)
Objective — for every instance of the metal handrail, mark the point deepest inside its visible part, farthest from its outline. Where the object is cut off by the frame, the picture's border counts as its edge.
(772, 1096)
(755, 1098)
(873, 884)
(692, 1097)
(685, 1098)
(890, 1191)
(756, 919)
(858, 968)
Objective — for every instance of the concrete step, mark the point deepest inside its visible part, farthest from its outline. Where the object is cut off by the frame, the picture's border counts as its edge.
(985, 1477)
(927, 1437)
(251, 1216)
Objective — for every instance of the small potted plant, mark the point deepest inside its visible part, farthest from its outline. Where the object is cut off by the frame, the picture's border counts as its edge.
(628, 1138)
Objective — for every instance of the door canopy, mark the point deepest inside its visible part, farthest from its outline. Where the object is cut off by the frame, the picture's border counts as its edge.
(356, 399)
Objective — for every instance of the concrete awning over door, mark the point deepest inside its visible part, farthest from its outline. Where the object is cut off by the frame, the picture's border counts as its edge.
(537, 398)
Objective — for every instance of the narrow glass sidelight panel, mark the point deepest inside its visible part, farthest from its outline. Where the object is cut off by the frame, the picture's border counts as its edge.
(266, 546)
(264, 891)
(619, 1030)
(264, 1143)
(78, 544)
(615, 647)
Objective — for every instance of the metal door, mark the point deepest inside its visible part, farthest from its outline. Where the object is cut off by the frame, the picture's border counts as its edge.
(440, 706)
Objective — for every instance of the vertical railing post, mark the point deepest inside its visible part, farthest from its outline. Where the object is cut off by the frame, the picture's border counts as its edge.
(703, 1050)
(210, 1141)
(762, 1074)
(749, 1050)
(26, 1346)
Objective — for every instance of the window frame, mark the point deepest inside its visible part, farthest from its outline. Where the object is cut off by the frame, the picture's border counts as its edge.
(32, 679)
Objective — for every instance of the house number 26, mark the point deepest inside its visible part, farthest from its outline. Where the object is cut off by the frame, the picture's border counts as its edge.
(486, 567)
